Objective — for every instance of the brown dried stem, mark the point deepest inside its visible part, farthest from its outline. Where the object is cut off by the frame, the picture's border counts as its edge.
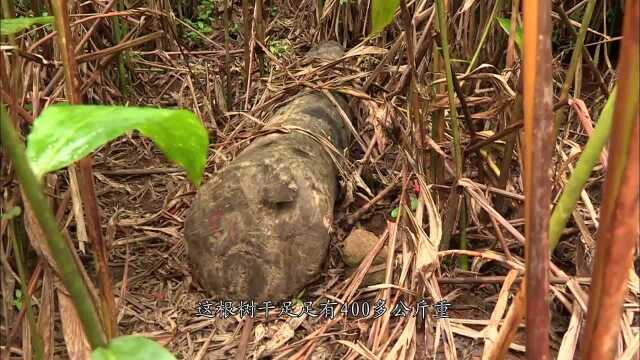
(85, 178)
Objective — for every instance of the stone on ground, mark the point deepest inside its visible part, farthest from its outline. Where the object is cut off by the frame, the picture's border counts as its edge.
(357, 246)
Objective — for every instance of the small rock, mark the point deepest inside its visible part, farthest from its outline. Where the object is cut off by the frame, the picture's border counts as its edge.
(329, 50)
(356, 247)
(374, 277)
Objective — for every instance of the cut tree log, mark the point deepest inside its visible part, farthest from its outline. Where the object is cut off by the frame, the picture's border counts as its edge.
(259, 229)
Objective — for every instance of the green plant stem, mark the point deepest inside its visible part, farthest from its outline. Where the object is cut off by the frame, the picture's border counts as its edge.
(453, 113)
(585, 54)
(36, 338)
(60, 252)
(457, 87)
(576, 55)
(588, 159)
(483, 38)
(437, 117)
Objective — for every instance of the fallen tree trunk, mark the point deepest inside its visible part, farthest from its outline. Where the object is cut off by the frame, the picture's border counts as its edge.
(259, 230)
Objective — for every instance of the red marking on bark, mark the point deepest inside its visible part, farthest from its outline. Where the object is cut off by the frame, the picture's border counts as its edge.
(214, 220)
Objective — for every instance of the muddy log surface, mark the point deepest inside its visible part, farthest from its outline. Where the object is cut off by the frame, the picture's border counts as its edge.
(259, 229)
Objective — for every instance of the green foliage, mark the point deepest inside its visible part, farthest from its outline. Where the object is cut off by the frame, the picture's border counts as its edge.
(413, 204)
(202, 23)
(382, 12)
(279, 47)
(63, 134)
(205, 10)
(131, 347)
(505, 24)
(15, 25)
(18, 300)
(11, 213)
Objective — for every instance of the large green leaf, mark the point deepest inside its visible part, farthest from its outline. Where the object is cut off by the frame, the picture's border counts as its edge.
(131, 347)
(382, 12)
(505, 24)
(63, 134)
(15, 25)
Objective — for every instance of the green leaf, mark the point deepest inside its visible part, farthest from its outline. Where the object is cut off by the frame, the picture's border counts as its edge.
(505, 24)
(15, 25)
(382, 12)
(18, 299)
(414, 203)
(64, 134)
(11, 213)
(394, 213)
(131, 347)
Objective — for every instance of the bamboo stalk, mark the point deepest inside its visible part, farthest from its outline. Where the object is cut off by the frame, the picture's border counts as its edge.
(538, 126)
(507, 332)
(566, 204)
(453, 112)
(85, 178)
(17, 242)
(619, 228)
